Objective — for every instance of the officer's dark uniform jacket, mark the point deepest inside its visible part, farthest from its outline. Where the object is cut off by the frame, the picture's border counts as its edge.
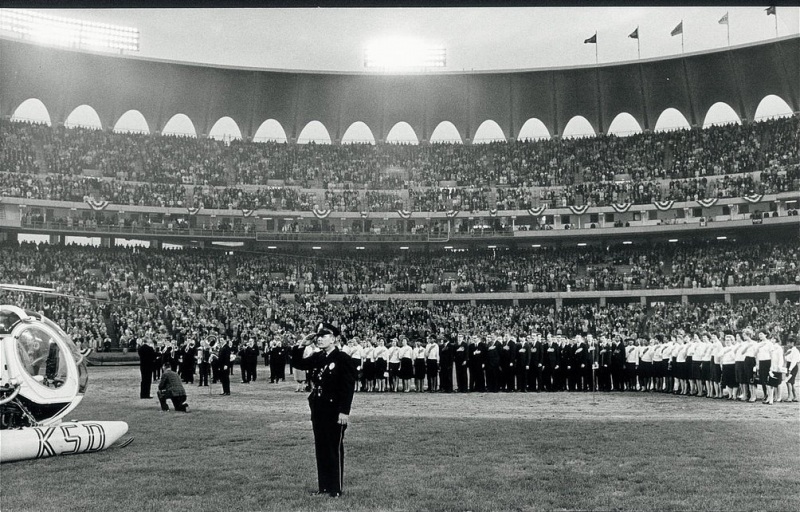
(334, 382)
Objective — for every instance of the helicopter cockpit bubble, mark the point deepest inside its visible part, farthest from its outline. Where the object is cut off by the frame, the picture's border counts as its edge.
(41, 365)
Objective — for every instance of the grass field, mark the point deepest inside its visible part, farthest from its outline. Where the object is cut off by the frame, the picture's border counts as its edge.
(254, 451)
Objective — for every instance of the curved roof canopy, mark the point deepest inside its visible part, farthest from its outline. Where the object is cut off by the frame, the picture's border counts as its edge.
(64, 79)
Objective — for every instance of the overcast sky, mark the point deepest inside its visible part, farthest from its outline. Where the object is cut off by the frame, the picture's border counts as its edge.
(478, 38)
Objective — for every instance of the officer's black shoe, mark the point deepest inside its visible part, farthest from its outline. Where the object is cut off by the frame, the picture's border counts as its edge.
(335, 494)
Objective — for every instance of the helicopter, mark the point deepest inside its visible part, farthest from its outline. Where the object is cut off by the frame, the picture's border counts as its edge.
(43, 378)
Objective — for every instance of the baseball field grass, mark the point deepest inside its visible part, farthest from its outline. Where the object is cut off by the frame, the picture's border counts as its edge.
(253, 450)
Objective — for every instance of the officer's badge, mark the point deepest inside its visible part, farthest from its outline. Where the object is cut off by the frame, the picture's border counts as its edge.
(331, 366)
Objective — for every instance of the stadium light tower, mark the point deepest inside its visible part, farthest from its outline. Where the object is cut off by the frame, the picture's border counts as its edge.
(404, 55)
(59, 31)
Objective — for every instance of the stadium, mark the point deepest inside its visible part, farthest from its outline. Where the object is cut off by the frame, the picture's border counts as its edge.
(539, 318)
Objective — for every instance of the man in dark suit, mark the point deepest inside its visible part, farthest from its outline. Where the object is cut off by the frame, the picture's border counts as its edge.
(330, 401)
(224, 363)
(523, 357)
(461, 361)
(147, 355)
(171, 387)
(446, 355)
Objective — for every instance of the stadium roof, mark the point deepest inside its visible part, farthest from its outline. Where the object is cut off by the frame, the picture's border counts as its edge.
(62, 79)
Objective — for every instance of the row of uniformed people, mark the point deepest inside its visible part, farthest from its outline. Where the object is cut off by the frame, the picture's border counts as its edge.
(684, 364)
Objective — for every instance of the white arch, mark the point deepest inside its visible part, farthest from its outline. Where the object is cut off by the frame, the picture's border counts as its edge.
(402, 133)
(32, 110)
(132, 121)
(225, 129)
(84, 116)
(721, 113)
(488, 131)
(624, 125)
(533, 129)
(270, 130)
(179, 124)
(358, 133)
(772, 106)
(671, 119)
(314, 132)
(446, 132)
(578, 127)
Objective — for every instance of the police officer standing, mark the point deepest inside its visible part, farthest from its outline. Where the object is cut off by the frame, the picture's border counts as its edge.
(330, 401)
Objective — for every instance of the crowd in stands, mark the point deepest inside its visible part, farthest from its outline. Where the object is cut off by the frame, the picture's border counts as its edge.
(719, 161)
(200, 289)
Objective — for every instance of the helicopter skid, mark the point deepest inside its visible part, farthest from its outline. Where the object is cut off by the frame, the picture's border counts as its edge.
(63, 439)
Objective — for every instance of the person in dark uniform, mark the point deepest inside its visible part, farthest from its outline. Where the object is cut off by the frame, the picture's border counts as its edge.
(146, 357)
(618, 365)
(330, 401)
(252, 353)
(446, 354)
(244, 367)
(204, 358)
(477, 365)
(461, 360)
(508, 358)
(223, 364)
(551, 360)
(535, 382)
(523, 360)
(158, 362)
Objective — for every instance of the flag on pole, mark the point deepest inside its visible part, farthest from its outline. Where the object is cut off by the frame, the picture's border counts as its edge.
(591, 40)
(634, 34)
(771, 11)
(677, 30)
(724, 20)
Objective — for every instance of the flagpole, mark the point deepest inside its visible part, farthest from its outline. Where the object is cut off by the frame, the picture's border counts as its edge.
(638, 45)
(776, 22)
(596, 58)
(681, 37)
(728, 23)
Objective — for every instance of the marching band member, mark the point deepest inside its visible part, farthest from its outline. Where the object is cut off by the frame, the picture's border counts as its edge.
(792, 358)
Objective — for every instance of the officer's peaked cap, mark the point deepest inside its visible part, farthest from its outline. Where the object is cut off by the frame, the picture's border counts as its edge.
(324, 328)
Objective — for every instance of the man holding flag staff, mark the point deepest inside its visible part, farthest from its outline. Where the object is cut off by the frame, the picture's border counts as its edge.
(330, 401)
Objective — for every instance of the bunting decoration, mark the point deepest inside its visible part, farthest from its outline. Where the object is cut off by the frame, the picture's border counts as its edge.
(452, 213)
(493, 212)
(621, 207)
(246, 212)
(707, 203)
(754, 198)
(404, 214)
(321, 214)
(97, 205)
(579, 210)
(193, 211)
(664, 205)
(535, 212)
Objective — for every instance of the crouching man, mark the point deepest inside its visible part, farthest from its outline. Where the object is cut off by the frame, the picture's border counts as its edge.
(170, 386)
